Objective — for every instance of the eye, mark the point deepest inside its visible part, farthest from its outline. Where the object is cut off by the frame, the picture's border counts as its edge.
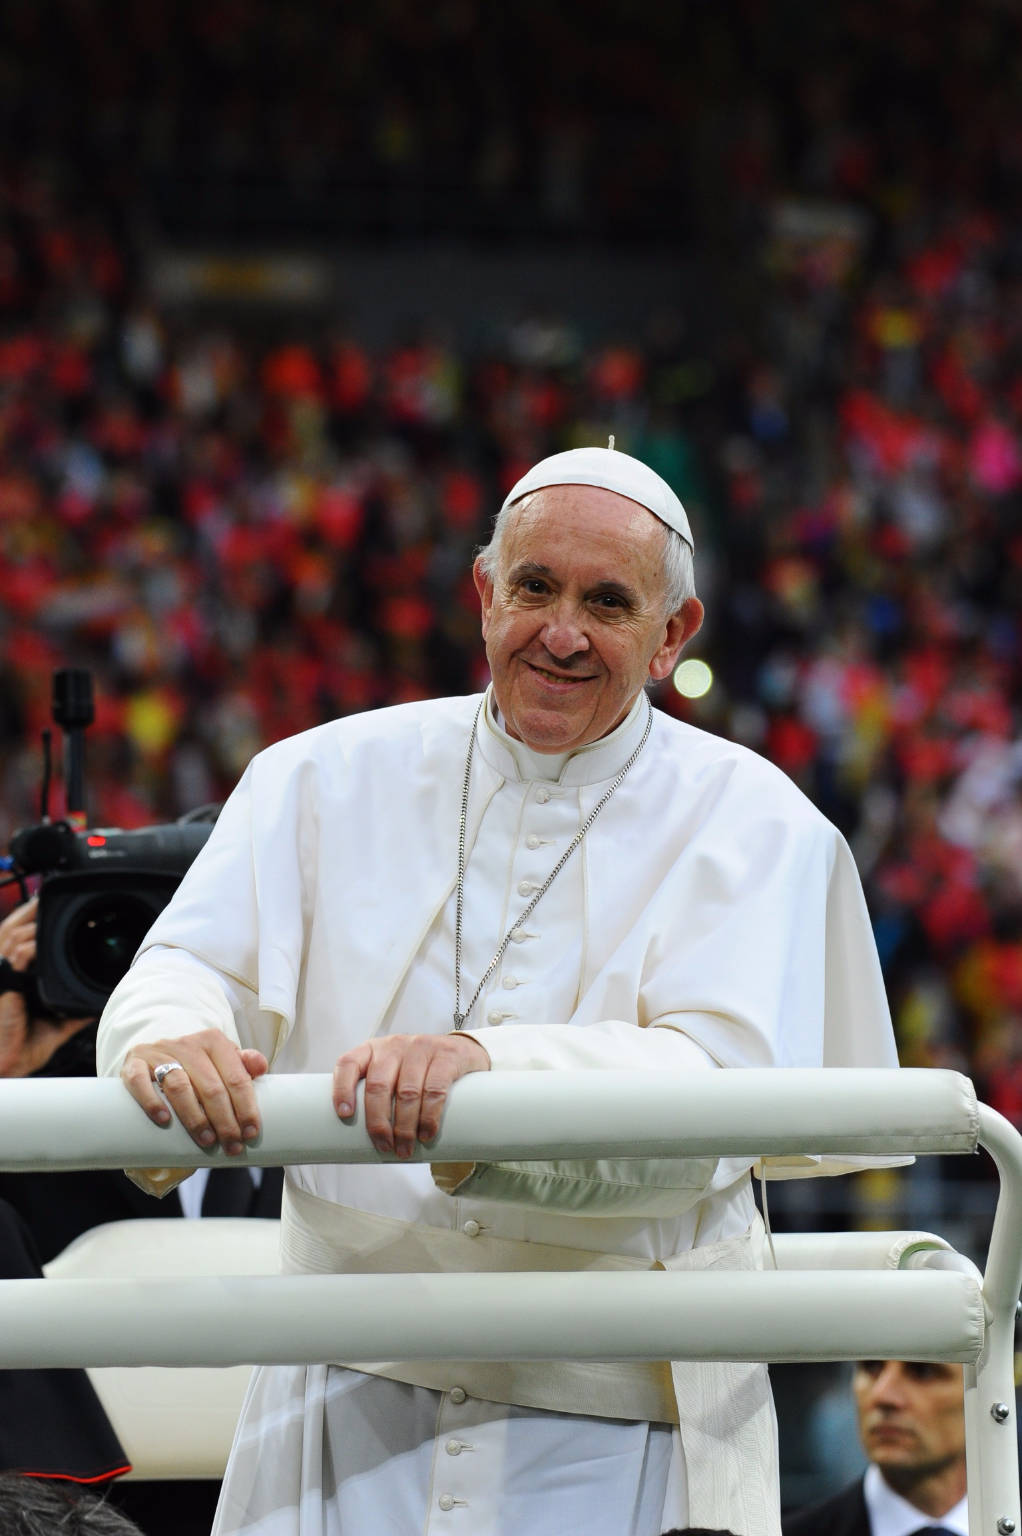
(609, 602)
(921, 1370)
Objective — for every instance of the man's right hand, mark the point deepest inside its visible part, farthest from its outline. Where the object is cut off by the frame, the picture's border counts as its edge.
(211, 1093)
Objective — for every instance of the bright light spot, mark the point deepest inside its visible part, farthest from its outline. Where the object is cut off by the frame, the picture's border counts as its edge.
(693, 678)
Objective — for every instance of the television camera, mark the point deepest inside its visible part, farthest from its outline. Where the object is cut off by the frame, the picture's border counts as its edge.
(100, 888)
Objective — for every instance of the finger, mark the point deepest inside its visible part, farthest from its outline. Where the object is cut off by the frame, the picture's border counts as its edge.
(380, 1083)
(13, 1031)
(455, 1056)
(137, 1077)
(19, 917)
(18, 945)
(418, 1075)
(187, 1093)
(222, 1084)
(435, 1093)
(256, 1064)
(349, 1071)
(21, 950)
(212, 1095)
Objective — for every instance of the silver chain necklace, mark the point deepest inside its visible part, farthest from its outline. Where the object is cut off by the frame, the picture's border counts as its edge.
(460, 1015)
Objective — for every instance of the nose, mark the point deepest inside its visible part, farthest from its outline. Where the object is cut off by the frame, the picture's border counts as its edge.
(887, 1389)
(563, 633)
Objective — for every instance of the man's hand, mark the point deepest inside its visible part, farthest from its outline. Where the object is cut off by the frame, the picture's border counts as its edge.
(407, 1078)
(212, 1094)
(26, 1044)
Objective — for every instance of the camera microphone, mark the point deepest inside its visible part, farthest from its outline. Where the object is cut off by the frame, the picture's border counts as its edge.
(100, 888)
(72, 710)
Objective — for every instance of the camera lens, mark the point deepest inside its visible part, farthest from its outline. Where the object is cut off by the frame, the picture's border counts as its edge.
(106, 933)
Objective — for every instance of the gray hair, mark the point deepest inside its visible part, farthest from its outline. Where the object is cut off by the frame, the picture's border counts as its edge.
(678, 562)
(33, 1506)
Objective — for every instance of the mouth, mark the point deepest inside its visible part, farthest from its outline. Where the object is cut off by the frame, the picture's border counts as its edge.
(883, 1432)
(559, 679)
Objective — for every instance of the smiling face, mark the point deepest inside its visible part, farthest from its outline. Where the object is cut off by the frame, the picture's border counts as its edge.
(574, 619)
(912, 1425)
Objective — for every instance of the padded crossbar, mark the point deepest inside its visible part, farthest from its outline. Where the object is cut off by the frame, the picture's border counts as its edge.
(852, 1250)
(51, 1123)
(653, 1315)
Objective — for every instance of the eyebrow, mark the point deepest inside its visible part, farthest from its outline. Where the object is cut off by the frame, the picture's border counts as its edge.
(529, 568)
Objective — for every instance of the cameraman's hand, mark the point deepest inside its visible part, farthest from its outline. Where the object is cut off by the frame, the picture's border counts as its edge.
(26, 1044)
(212, 1095)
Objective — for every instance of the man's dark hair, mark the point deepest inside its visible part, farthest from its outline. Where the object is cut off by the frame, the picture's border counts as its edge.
(34, 1506)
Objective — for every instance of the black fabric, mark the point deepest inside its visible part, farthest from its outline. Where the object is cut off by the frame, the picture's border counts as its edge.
(58, 1207)
(229, 1192)
(181, 1508)
(51, 1421)
(844, 1514)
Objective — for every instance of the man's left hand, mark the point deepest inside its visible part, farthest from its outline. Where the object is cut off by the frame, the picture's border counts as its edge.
(407, 1078)
(26, 1044)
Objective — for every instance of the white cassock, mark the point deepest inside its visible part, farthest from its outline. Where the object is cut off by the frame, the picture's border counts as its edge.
(711, 917)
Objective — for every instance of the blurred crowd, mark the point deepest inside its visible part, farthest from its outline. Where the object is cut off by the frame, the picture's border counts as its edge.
(245, 535)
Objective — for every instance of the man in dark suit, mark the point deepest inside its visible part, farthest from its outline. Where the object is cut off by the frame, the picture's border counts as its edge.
(912, 1427)
(51, 1422)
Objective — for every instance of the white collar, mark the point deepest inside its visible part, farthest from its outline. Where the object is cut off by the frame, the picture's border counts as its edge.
(591, 764)
(891, 1515)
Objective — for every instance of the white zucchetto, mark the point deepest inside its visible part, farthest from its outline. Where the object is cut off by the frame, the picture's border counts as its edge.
(611, 471)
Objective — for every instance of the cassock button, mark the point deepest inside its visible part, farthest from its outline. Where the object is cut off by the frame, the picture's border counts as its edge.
(518, 937)
(471, 1228)
(532, 841)
(453, 1447)
(494, 1016)
(457, 1394)
(446, 1501)
(525, 887)
(542, 795)
(509, 983)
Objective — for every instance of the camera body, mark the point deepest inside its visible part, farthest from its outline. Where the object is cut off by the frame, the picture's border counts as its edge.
(100, 892)
(100, 889)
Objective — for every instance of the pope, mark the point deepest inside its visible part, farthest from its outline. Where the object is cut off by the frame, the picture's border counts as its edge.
(551, 876)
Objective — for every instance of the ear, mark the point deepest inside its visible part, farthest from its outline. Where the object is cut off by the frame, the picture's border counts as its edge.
(484, 586)
(678, 631)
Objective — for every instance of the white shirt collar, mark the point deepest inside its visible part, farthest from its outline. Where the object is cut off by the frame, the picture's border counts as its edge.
(891, 1515)
(590, 764)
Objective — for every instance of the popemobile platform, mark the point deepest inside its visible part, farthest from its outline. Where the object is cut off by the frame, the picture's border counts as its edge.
(169, 1316)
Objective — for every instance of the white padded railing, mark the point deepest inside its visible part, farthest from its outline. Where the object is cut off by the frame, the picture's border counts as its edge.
(741, 1112)
(932, 1306)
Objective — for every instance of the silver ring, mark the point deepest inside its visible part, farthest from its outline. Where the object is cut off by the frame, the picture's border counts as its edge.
(160, 1072)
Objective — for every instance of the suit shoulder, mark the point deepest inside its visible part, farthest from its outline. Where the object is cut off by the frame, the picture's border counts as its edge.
(843, 1514)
